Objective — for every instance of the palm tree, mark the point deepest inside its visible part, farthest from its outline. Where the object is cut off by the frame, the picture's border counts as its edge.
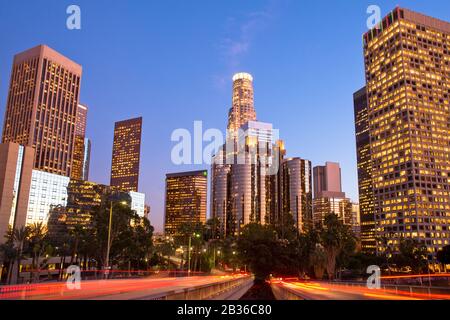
(335, 237)
(318, 260)
(8, 255)
(77, 233)
(38, 244)
(19, 236)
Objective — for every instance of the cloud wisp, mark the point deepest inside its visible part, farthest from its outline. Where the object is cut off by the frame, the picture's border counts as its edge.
(241, 34)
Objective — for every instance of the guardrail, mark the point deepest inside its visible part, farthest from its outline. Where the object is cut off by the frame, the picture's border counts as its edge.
(283, 292)
(228, 288)
(205, 292)
(396, 288)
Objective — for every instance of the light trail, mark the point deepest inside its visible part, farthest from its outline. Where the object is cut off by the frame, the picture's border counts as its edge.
(332, 291)
(96, 289)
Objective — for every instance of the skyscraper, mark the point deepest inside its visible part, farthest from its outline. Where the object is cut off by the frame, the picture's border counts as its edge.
(126, 154)
(249, 176)
(327, 180)
(245, 180)
(79, 147)
(366, 208)
(185, 202)
(297, 192)
(407, 63)
(243, 109)
(41, 109)
(87, 159)
(220, 192)
(16, 166)
(328, 195)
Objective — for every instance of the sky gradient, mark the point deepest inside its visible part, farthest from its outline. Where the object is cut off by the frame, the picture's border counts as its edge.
(171, 62)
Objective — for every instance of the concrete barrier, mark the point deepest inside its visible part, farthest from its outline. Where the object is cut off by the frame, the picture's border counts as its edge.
(228, 289)
(284, 293)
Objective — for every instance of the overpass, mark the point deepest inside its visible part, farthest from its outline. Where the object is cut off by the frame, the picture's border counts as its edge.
(230, 287)
(319, 290)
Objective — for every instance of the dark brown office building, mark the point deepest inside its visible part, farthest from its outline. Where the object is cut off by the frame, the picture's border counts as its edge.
(126, 154)
(42, 107)
(185, 200)
(365, 184)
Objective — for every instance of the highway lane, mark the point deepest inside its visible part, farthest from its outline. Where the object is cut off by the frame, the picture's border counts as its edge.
(123, 289)
(325, 291)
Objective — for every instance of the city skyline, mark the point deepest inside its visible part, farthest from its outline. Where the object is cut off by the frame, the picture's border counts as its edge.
(104, 114)
(235, 150)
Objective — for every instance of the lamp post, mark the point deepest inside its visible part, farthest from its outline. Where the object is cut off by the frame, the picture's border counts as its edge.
(108, 245)
(218, 257)
(197, 235)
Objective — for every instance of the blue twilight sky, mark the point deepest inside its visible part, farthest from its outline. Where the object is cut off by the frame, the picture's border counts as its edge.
(172, 62)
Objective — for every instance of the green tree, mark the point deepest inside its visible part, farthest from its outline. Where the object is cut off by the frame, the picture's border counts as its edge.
(307, 243)
(38, 246)
(19, 237)
(318, 261)
(8, 255)
(257, 247)
(131, 236)
(443, 256)
(411, 254)
(337, 240)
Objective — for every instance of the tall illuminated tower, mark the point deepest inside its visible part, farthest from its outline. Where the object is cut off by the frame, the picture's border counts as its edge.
(126, 154)
(245, 182)
(243, 108)
(365, 183)
(41, 109)
(407, 63)
(79, 147)
(297, 192)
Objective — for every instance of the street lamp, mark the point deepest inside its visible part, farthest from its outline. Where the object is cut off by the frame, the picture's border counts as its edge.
(108, 245)
(197, 235)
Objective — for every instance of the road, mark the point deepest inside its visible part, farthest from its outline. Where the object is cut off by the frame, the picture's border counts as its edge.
(325, 291)
(123, 289)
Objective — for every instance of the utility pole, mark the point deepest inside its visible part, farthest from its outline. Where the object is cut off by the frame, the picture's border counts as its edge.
(108, 246)
(189, 256)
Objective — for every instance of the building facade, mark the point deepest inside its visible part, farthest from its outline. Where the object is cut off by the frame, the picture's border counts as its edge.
(327, 179)
(243, 108)
(48, 190)
(16, 167)
(126, 154)
(328, 195)
(356, 220)
(365, 183)
(328, 204)
(185, 200)
(297, 192)
(86, 159)
(79, 147)
(408, 86)
(250, 180)
(42, 105)
(83, 199)
(29, 196)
